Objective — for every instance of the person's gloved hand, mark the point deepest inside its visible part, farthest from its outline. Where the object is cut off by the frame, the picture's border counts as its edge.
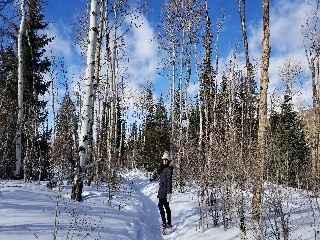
(168, 197)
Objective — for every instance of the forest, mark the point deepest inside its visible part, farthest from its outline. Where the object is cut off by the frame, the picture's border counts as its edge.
(230, 139)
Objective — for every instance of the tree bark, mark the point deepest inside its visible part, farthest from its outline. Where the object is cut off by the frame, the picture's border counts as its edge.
(86, 113)
(97, 123)
(20, 89)
(261, 154)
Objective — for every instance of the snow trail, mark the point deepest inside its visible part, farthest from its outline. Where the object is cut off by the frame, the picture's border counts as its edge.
(150, 222)
(28, 210)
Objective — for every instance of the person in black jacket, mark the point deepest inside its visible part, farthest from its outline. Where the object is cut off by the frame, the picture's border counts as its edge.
(165, 190)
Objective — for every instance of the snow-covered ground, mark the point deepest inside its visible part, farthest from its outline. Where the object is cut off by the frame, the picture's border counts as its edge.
(31, 211)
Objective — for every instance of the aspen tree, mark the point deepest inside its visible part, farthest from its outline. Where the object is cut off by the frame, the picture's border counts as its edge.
(35, 86)
(119, 12)
(173, 83)
(181, 101)
(181, 27)
(86, 134)
(20, 88)
(112, 132)
(247, 117)
(204, 148)
(97, 112)
(208, 95)
(112, 51)
(261, 153)
(169, 42)
(246, 109)
(33, 66)
(86, 113)
(312, 52)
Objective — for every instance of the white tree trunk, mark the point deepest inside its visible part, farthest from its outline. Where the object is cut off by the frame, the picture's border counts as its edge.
(172, 98)
(97, 99)
(86, 112)
(113, 91)
(122, 117)
(20, 89)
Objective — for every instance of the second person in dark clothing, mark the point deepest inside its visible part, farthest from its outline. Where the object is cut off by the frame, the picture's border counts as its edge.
(165, 190)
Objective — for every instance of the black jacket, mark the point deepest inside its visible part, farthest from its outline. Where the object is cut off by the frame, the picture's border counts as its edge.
(165, 184)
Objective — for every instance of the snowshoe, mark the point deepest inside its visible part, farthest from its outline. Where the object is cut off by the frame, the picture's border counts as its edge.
(163, 228)
(166, 228)
(169, 226)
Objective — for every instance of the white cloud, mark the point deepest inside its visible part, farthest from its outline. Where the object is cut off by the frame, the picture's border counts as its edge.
(60, 45)
(193, 89)
(143, 53)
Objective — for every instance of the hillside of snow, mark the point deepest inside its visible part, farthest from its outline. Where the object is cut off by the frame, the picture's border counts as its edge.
(30, 211)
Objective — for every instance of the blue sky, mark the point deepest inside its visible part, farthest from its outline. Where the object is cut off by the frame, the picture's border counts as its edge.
(286, 17)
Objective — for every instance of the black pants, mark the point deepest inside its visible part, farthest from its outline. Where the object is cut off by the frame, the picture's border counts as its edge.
(164, 203)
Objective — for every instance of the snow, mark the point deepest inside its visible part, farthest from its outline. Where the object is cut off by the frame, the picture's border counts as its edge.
(28, 212)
